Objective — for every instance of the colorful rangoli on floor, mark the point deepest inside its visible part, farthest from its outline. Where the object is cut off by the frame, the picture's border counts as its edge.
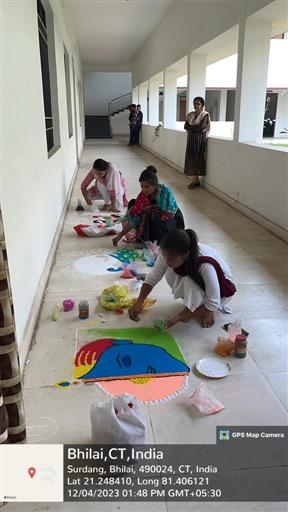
(114, 354)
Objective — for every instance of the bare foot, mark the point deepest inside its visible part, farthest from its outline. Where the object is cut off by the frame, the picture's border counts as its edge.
(113, 209)
(207, 320)
(105, 208)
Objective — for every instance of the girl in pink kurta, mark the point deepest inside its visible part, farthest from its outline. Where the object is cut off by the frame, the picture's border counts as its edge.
(109, 184)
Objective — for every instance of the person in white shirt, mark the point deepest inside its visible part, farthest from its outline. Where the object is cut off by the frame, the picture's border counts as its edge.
(195, 272)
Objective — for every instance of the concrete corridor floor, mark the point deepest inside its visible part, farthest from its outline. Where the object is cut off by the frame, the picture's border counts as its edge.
(255, 393)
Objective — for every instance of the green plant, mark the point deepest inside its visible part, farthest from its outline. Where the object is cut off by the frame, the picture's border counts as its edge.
(157, 131)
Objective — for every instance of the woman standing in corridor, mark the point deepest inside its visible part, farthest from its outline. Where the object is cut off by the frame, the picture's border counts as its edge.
(197, 126)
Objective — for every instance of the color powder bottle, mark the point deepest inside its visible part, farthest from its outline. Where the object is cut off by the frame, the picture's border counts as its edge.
(83, 309)
(240, 347)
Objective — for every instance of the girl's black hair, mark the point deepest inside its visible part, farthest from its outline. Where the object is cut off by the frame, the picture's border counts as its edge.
(149, 175)
(131, 203)
(178, 242)
(199, 98)
(100, 165)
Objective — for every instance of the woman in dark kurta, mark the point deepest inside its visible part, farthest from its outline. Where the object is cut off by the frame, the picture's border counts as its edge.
(197, 126)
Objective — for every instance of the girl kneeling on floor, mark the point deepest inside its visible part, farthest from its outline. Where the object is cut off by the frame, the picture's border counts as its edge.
(155, 211)
(109, 185)
(195, 272)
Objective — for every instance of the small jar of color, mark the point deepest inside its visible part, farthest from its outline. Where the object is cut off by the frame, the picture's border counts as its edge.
(240, 347)
(83, 309)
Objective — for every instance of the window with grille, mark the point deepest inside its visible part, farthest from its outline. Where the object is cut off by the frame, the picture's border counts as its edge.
(68, 92)
(80, 103)
(49, 78)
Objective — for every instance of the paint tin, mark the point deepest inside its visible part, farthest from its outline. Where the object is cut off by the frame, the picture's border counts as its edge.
(240, 348)
(83, 309)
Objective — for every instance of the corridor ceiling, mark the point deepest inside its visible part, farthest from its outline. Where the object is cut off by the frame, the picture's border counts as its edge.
(110, 33)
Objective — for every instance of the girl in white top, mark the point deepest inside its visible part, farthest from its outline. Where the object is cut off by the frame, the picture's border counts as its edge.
(195, 272)
(109, 183)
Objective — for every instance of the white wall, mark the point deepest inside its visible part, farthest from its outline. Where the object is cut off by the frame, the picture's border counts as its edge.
(254, 176)
(120, 123)
(237, 171)
(100, 88)
(186, 27)
(34, 187)
(170, 144)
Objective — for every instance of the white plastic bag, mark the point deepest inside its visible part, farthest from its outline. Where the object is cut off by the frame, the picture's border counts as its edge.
(119, 421)
(205, 401)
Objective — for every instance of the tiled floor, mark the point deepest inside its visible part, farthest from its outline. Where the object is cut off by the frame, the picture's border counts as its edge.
(256, 391)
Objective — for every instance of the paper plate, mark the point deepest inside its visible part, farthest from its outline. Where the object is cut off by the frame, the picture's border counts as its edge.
(213, 368)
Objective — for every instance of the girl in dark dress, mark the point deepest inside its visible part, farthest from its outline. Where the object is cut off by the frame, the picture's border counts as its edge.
(197, 126)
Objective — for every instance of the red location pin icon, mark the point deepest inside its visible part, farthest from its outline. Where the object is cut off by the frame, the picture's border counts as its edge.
(31, 472)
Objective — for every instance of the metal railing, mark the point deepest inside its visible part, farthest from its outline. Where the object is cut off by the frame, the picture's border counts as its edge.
(120, 103)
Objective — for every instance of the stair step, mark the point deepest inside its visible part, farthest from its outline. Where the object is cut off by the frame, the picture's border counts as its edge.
(98, 127)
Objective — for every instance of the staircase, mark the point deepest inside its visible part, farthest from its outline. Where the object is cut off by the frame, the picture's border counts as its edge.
(98, 127)
(120, 104)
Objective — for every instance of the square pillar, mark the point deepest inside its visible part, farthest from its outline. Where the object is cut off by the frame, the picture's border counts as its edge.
(153, 102)
(252, 71)
(170, 98)
(223, 105)
(196, 78)
(135, 95)
(143, 100)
